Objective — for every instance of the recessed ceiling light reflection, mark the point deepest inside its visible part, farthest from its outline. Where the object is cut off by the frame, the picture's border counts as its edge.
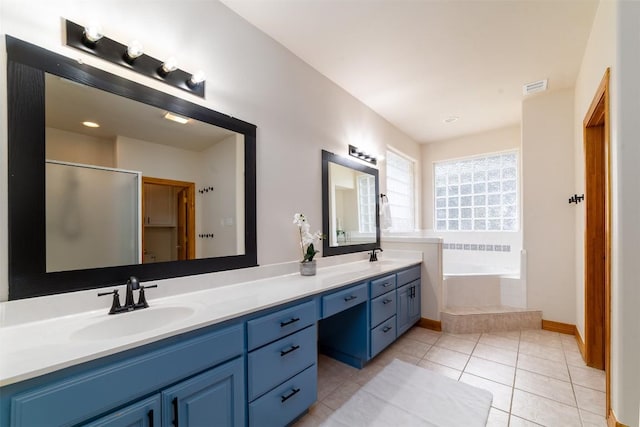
(176, 118)
(91, 124)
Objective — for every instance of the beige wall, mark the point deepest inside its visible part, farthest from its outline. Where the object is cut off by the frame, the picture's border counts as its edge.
(74, 147)
(298, 111)
(548, 231)
(486, 142)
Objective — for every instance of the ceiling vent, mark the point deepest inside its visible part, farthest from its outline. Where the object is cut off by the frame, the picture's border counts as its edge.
(539, 86)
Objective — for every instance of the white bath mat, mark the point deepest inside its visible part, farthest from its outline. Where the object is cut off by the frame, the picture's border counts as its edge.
(408, 395)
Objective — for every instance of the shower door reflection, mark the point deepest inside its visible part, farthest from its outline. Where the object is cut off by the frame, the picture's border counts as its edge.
(92, 216)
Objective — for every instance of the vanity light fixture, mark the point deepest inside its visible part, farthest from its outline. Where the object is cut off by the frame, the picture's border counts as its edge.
(359, 154)
(90, 40)
(176, 118)
(90, 124)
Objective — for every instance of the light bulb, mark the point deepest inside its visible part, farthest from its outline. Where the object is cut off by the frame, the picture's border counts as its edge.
(93, 32)
(169, 65)
(134, 49)
(195, 79)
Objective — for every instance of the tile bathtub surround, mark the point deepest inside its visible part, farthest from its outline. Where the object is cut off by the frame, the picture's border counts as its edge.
(486, 319)
(537, 377)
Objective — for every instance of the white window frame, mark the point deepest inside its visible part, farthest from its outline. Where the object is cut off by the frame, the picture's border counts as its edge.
(477, 193)
(402, 201)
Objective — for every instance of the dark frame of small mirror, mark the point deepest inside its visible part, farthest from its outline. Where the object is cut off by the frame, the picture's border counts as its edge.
(26, 68)
(328, 250)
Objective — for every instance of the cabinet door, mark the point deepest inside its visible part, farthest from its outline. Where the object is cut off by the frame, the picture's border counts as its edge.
(160, 205)
(408, 306)
(213, 398)
(403, 309)
(145, 413)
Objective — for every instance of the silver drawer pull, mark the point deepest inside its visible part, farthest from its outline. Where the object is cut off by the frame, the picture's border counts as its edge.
(386, 329)
(387, 301)
(386, 285)
(286, 397)
(289, 350)
(350, 297)
(288, 322)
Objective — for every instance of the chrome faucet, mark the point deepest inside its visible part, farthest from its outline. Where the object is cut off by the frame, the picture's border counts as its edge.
(373, 256)
(129, 305)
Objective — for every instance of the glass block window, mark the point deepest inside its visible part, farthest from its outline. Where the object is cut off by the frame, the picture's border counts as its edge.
(367, 203)
(477, 193)
(401, 191)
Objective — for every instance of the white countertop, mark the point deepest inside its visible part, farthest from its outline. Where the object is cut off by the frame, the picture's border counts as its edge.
(33, 348)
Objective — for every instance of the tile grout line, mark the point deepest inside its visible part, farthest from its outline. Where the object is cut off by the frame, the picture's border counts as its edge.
(573, 389)
(515, 372)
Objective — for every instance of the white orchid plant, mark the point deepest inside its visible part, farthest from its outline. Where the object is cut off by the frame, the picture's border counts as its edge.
(307, 238)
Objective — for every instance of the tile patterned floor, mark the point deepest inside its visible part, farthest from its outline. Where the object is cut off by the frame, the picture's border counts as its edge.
(537, 377)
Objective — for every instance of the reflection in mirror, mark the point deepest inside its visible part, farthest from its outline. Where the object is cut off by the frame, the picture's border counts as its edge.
(350, 205)
(124, 190)
(139, 195)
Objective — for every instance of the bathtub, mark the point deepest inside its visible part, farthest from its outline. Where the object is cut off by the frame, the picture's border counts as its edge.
(471, 285)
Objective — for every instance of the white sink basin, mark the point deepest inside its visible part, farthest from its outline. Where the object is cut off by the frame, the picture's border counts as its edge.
(131, 323)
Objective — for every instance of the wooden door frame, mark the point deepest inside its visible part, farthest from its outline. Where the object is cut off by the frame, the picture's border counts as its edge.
(191, 216)
(596, 130)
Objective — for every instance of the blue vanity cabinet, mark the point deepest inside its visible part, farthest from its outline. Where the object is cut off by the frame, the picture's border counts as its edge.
(282, 365)
(408, 295)
(100, 389)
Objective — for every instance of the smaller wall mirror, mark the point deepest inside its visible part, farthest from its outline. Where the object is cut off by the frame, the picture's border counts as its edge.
(350, 207)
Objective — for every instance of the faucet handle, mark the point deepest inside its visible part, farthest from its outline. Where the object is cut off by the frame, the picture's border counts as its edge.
(142, 300)
(115, 304)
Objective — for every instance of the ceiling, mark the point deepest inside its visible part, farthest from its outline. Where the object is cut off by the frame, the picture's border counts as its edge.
(68, 104)
(418, 62)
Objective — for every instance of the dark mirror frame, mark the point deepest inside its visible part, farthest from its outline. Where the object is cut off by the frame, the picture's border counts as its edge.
(327, 250)
(26, 68)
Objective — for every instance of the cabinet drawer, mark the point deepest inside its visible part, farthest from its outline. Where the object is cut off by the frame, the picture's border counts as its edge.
(286, 402)
(383, 335)
(280, 324)
(382, 308)
(409, 275)
(383, 285)
(342, 300)
(278, 361)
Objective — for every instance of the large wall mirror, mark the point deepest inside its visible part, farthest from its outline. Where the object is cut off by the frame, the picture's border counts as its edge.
(350, 220)
(156, 187)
